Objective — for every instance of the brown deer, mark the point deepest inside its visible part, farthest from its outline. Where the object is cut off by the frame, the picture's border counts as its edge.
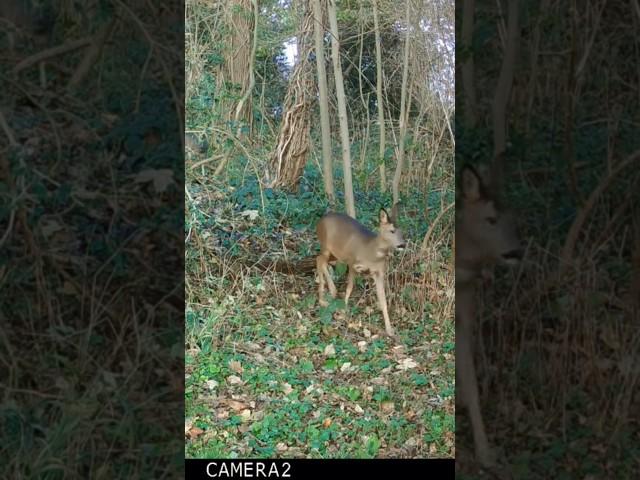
(485, 236)
(348, 241)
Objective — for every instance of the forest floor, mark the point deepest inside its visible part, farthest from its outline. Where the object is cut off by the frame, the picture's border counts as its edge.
(269, 373)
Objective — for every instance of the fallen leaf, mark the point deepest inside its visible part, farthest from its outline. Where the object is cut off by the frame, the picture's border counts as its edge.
(211, 384)
(367, 333)
(161, 178)
(281, 447)
(236, 366)
(250, 214)
(237, 406)
(233, 380)
(358, 409)
(287, 389)
(326, 423)
(330, 350)
(194, 432)
(406, 364)
(345, 366)
(49, 227)
(362, 346)
(387, 407)
(245, 415)
(398, 350)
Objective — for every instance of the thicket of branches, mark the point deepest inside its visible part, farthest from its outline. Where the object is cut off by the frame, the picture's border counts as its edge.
(561, 332)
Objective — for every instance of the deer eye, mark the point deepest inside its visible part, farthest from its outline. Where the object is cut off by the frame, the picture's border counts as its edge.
(492, 220)
(393, 230)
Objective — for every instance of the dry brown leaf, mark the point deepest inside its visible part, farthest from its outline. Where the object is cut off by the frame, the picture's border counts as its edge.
(235, 405)
(387, 407)
(194, 433)
(236, 366)
(245, 415)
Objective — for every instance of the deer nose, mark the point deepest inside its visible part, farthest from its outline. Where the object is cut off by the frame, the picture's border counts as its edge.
(515, 254)
(401, 246)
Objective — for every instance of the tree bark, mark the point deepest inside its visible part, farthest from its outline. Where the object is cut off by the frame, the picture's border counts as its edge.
(325, 127)
(403, 110)
(502, 95)
(379, 100)
(468, 80)
(234, 74)
(290, 155)
(342, 110)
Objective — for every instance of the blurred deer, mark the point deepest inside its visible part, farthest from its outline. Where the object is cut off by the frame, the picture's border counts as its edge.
(485, 236)
(348, 241)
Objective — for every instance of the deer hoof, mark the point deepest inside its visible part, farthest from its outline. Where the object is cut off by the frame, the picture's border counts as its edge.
(323, 303)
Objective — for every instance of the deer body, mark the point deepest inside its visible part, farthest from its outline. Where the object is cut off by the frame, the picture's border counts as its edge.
(485, 236)
(348, 241)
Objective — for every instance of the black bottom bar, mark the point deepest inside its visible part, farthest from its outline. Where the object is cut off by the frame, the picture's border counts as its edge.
(306, 468)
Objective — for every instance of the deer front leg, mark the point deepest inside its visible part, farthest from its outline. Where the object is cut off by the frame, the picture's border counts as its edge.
(320, 267)
(350, 278)
(466, 374)
(382, 302)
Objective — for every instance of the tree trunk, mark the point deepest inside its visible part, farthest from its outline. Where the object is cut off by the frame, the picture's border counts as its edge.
(234, 75)
(379, 80)
(290, 155)
(252, 78)
(342, 110)
(502, 95)
(325, 127)
(468, 81)
(403, 113)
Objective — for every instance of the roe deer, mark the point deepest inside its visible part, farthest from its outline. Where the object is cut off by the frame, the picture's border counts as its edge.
(485, 236)
(347, 240)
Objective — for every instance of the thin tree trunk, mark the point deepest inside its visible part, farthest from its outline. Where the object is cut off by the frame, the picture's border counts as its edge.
(252, 59)
(468, 80)
(325, 126)
(379, 100)
(342, 110)
(502, 95)
(403, 110)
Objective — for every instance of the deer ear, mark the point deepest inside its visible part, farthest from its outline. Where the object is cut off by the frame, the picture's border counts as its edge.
(384, 216)
(471, 184)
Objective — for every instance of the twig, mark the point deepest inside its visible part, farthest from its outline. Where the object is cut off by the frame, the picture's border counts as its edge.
(52, 52)
(8, 132)
(576, 227)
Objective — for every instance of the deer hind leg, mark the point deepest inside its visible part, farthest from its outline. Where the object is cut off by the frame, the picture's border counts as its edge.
(322, 261)
(350, 278)
(382, 302)
(467, 381)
